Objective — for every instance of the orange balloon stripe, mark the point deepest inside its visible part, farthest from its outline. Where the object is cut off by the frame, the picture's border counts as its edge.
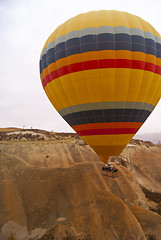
(103, 63)
(107, 125)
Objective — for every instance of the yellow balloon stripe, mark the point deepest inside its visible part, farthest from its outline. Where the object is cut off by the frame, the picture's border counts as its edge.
(108, 145)
(115, 85)
(108, 140)
(104, 152)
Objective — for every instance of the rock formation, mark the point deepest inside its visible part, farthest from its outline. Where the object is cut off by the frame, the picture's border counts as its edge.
(52, 187)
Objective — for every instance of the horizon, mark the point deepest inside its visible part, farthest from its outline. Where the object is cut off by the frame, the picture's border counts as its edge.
(52, 130)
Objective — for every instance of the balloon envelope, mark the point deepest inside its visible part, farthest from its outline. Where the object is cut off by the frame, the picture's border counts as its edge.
(101, 70)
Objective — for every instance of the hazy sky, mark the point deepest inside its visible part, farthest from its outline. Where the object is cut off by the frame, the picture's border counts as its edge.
(24, 27)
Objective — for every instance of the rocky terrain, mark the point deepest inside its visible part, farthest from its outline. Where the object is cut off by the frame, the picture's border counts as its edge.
(52, 187)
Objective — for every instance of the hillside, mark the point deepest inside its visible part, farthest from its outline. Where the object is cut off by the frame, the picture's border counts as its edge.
(52, 187)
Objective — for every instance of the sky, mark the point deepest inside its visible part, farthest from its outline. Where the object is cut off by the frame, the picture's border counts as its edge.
(25, 26)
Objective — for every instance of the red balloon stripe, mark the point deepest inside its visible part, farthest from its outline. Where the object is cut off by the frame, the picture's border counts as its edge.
(101, 64)
(111, 131)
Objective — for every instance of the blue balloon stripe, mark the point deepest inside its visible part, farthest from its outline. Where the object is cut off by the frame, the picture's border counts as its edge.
(107, 115)
(104, 41)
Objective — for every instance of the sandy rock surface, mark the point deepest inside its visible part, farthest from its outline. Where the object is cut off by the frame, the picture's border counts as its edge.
(52, 186)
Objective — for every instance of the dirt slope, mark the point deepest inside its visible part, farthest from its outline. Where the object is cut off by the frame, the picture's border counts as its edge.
(54, 188)
(150, 221)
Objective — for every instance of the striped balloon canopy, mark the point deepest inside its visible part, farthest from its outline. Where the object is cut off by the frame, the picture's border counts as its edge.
(101, 70)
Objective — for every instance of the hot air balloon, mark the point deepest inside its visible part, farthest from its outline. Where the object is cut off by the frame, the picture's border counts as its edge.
(101, 70)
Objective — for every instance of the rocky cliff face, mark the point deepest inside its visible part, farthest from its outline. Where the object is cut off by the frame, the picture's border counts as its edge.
(52, 187)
